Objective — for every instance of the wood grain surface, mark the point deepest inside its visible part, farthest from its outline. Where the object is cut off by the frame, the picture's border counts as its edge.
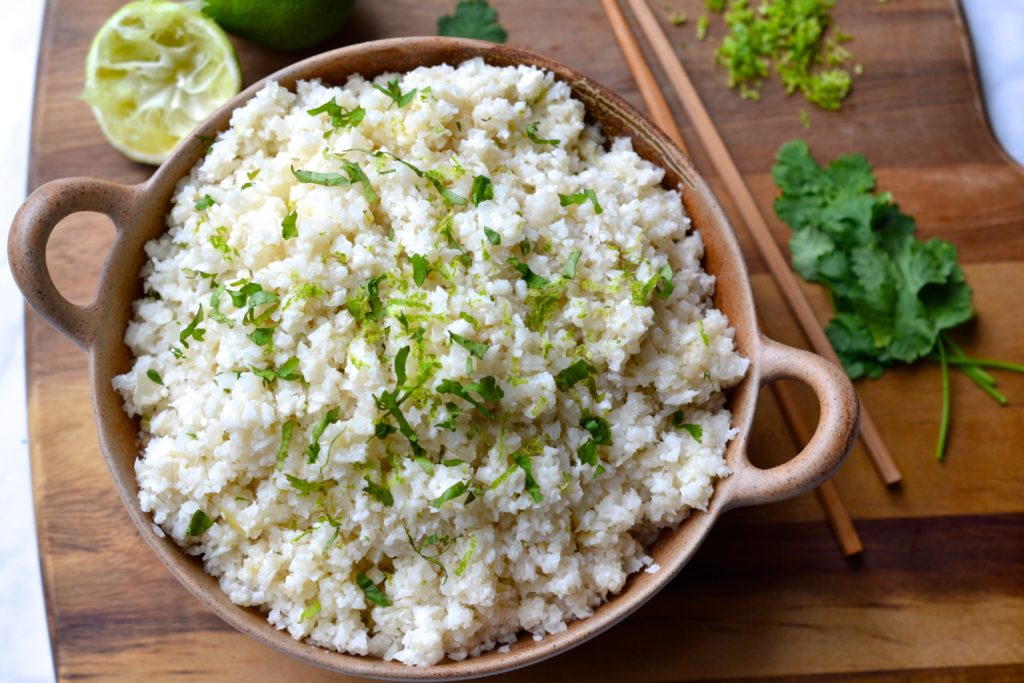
(938, 594)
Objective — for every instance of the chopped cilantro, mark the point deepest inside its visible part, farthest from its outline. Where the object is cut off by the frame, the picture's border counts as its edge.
(286, 438)
(381, 493)
(340, 117)
(199, 523)
(440, 545)
(193, 330)
(530, 484)
(476, 349)
(204, 203)
(288, 228)
(451, 493)
(311, 611)
(525, 247)
(313, 449)
(660, 283)
(472, 19)
(395, 93)
(317, 178)
(531, 132)
(600, 435)
(305, 487)
(154, 376)
(261, 336)
(703, 333)
(482, 190)
(367, 305)
(289, 371)
(579, 371)
(581, 197)
(569, 272)
(215, 313)
(219, 241)
(695, 431)
(543, 302)
(487, 388)
(450, 198)
(420, 269)
(372, 592)
(533, 281)
(492, 236)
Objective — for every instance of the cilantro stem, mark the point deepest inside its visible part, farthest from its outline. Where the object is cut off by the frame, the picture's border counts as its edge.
(959, 354)
(940, 446)
(986, 363)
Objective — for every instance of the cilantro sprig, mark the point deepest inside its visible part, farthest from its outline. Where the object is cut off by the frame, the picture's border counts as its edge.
(586, 194)
(340, 116)
(372, 592)
(473, 19)
(394, 91)
(895, 297)
(600, 435)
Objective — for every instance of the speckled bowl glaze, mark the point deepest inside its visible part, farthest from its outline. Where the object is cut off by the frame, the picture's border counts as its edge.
(139, 211)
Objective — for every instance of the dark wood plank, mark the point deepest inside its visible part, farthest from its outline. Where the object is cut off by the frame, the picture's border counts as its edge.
(939, 592)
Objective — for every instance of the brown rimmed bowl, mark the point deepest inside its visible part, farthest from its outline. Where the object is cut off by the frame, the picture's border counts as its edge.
(138, 212)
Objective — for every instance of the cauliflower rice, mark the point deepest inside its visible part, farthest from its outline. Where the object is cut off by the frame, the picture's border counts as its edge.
(409, 413)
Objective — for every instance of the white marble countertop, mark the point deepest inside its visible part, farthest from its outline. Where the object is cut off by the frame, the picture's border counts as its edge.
(24, 648)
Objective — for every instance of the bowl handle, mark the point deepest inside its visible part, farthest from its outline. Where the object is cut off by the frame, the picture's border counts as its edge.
(832, 440)
(30, 232)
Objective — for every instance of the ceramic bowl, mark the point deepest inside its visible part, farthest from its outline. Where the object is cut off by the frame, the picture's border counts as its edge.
(139, 211)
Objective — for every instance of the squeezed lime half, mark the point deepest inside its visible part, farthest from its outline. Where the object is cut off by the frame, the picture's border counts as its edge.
(154, 71)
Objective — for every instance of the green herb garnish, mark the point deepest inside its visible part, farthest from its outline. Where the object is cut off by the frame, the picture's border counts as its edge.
(154, 376)
(451, 493)
(286, 439)
(600, 435)
(531, 132)
(440, 545)
(492, 236)
(318, 178)
(367, 304)
(487, 389)
(204, 203)
(895, 297)
(199, 523)
(288, 228)
(581, 197)
(482, 190)
(533, 281)
(215, 313)
(313, 449)
(473, 19)
(305, 487)
(381, 493)
(261, 336)
(193, 330)
(372, 592)
(532, 487)
(580, 371)
(288, 371)
(569, 272)
(476, 349)
(395, 93)
(340, 117)
(420, 269)
(660, 283)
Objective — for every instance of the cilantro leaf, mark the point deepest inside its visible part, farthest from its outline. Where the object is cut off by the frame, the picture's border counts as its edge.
(473, 19)
(154, 376)
(340, 117)
(451, 493)
(893, 294)
(492, 236)
(579, 371)
(367, 304)
(199, 523)
(531, 132)
(530, 484)
(371, 591)
(579, 198)
(204, 203)
(420, 269)
(215, 313)
(310, 612)
(381, 493)
(318, 178)
(483, 189)
(466, 557)
(193, 330)
(569, 272)
(288, 229)
(261, 336)
(533, 281)
(313, 449)
(286, 439)
(395, 93)
(476, 349)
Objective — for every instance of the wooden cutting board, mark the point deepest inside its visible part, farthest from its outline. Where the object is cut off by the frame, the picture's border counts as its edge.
(939, 591)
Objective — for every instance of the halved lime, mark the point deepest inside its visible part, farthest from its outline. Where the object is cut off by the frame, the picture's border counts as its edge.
(154, 71)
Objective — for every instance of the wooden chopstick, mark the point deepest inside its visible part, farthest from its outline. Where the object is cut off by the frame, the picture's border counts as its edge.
(755, 222)
(801, 432)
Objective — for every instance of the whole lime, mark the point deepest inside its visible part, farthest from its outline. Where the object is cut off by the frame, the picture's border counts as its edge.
(281, 24)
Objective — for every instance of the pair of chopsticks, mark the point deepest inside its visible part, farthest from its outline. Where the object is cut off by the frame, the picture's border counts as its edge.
(827, 494)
